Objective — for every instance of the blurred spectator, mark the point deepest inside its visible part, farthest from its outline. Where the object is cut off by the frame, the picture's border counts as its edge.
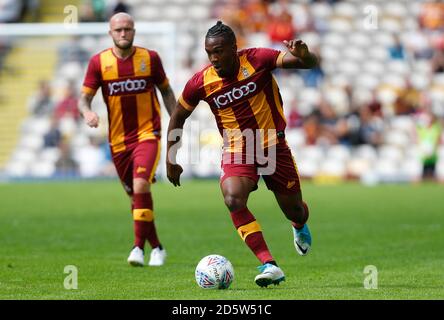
(281, 28)
(233, 15)
(31, 8)
(87, 12)
(120, 6)
(328, 120)
(375, 106)
(66, 166)
(312, 128)
(99, 10)
(41, 104)
(53, 137)
(363, 124)
(408, 100)
(438, 60)
(10, 11)
(397, 49)
(93, 11)
(256, 13)
(432, 15)
(5, 48)
(350, 105)
(294, 119)
(348, 130)
(320, 125)
(371, 126)
(428, 133)
(67, 107)
(328, 114)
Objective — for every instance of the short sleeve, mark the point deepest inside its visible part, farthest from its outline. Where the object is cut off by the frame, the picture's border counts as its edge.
(267, 58)
(159, 76)
(191, 93)
(93, 77)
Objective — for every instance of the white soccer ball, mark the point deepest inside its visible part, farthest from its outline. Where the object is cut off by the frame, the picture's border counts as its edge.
(214, 272)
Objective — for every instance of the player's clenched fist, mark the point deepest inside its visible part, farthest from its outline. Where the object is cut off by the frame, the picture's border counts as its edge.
(91, 119)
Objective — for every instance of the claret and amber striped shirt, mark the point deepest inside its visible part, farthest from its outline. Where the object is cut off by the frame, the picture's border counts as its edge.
(249, 101)
(128, 89)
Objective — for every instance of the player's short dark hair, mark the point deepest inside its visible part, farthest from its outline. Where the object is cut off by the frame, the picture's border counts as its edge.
(221, 30)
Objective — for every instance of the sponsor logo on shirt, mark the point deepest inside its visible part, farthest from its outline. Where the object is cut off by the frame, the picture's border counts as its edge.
(235, 94)
(126, 86)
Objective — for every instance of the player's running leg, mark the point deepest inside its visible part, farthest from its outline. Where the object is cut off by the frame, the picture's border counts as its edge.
(285, 184)
(124, 166)
(236, 191)
(145, 158)
(297, 212)
(144, 227)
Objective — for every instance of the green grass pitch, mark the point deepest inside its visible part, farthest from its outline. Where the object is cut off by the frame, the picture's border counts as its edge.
(45, 227)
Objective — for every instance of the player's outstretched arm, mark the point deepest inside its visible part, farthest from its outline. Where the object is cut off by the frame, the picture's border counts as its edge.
(300, 57)
(175, 129)
(168, 98)
(84, 105)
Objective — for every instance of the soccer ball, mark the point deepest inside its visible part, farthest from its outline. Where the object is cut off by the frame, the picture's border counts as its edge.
(214, 272)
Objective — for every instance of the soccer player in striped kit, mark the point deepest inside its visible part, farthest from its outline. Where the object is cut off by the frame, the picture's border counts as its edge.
(245, 100)
(128, 76)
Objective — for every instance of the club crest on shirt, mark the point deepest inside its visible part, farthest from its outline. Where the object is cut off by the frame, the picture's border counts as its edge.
(143, 66)
(245, 72)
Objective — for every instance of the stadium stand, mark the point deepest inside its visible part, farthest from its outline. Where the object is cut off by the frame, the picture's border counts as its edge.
(358, 116)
